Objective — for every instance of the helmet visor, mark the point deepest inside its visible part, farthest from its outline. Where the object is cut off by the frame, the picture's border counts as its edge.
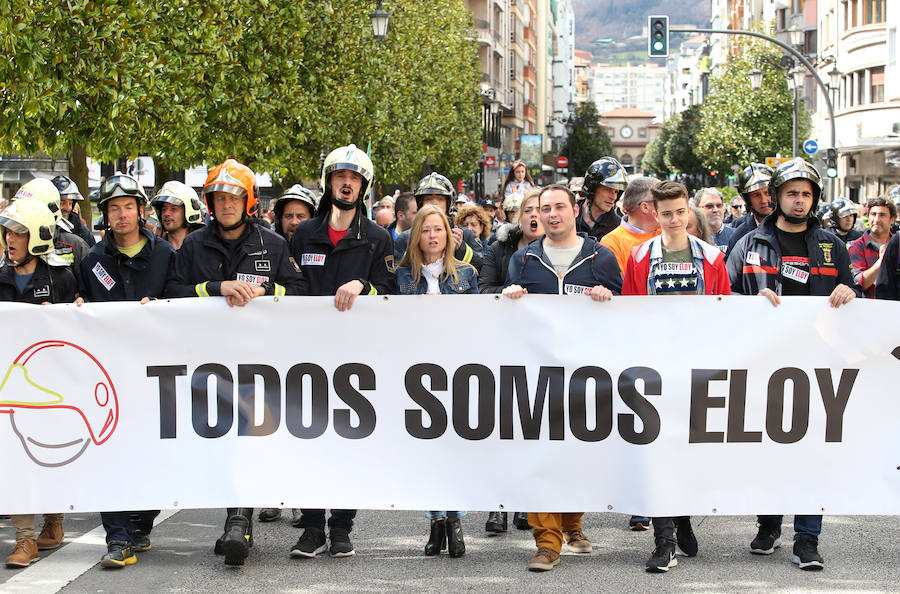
(168, 199)
(355, 167)
(13, 225)
(125, 185)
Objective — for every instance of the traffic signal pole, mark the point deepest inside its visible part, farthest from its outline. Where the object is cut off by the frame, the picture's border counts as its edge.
(800, 57)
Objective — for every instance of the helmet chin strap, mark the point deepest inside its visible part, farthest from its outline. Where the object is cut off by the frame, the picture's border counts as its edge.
(236, 225)
(28, 258)
(343, 204)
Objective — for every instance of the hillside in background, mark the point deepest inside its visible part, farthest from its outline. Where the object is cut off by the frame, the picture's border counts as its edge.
(613, 30)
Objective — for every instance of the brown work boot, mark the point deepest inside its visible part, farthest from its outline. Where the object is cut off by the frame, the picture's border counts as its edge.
(25, 554)
(51, 535)
(577, 542)
(544, 560)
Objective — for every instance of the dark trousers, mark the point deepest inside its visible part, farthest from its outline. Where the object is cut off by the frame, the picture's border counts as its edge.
(664, 529)
(342, 519)
(809, 525)
(120, 525)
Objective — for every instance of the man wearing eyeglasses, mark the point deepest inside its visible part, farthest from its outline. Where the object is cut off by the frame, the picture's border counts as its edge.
(712, 204)
(128, 264)
(639, 223)
(735, 212)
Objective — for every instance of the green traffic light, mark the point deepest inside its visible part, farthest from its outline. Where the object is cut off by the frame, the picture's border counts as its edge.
(658, 46)
(831, 172)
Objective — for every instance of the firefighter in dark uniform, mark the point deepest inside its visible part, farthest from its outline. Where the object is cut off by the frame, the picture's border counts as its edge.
(342, 253)
(128, 264)
(237, 258)
(68, 248)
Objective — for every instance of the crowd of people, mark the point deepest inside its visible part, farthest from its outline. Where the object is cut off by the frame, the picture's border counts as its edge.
(600, 237)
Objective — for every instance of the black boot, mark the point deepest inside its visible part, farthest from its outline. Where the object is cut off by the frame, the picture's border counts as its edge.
(456, 546)
(247, 512)
(437, 542)
(496, 522)
(238, 537)
(520, 521)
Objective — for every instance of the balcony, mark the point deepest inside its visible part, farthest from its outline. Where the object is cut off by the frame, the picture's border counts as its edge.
(483, 32)
(529, 73)
(529, 36)
(530, 112)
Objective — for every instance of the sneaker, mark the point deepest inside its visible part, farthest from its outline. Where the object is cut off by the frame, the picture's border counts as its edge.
(768, 538)
(639, 523)
(269, 514)
(51, 535)
(544, 560)
(662, 559)
(806, 553)
(310, 543)
(296, 517)
(25, 553)
(684, 536)
(340, 543)
(141, 541)
(118, 555)
(577, 542)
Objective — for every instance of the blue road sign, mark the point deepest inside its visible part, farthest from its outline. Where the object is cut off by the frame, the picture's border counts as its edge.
(811, 147)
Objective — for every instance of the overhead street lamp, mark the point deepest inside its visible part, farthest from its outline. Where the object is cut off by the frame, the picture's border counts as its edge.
(380, 19)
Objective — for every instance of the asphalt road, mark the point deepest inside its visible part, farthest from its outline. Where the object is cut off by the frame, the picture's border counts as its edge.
(861, 554)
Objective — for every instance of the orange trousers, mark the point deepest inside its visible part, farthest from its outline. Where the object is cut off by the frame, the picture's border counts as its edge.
(549, 527)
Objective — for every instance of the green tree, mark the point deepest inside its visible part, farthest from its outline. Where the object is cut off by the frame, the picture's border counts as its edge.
(588, 140)
(654, 160)
(270, 82)
(739, 125)
(680, 155)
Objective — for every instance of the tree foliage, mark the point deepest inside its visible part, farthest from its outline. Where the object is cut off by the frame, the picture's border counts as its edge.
(270, 82)
(681, 156)
(654, 160)
(588, 140)
(739, 125)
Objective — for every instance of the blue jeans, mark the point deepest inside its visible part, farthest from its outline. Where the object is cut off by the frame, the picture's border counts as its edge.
(809, 525)
(342, 519)
(435, 515)
(120, 526)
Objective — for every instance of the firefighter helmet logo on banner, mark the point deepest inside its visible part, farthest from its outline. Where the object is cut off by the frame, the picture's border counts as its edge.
(52, 409)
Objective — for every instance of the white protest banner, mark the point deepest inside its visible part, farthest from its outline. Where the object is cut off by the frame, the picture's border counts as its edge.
(646, 405)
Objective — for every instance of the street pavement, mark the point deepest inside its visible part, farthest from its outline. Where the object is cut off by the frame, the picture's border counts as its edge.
(861, 553)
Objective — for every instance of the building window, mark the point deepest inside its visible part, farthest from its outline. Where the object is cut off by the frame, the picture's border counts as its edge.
(611, 132)
(873, 12)
(876, 88)
(860, 87)
(642, 133)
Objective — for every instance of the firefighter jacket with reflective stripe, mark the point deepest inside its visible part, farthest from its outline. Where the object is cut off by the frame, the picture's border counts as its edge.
(259, 257)
(755, 262)
(365, 253)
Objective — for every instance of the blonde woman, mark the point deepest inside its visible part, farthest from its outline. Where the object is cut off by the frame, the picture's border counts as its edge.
(429, 267)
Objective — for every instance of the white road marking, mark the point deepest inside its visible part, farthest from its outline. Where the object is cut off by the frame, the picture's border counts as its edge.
(52, 574)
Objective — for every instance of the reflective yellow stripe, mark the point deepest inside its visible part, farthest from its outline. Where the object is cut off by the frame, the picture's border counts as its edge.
(279, 290)
(373, 290)
(469, 253)
(201, 289)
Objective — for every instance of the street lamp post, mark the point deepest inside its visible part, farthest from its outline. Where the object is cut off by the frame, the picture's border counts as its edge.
(380, 19)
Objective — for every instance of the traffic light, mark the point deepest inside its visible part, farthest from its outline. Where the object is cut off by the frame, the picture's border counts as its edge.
(658, 36)
(831, 162)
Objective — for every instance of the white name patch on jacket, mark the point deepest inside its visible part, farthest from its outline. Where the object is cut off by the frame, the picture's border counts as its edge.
(576, 289)
(312, 260)
(105, 279)
(253, 279)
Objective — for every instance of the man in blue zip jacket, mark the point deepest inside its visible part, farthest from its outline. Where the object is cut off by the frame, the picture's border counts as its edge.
(563, 262)
(128, 264)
